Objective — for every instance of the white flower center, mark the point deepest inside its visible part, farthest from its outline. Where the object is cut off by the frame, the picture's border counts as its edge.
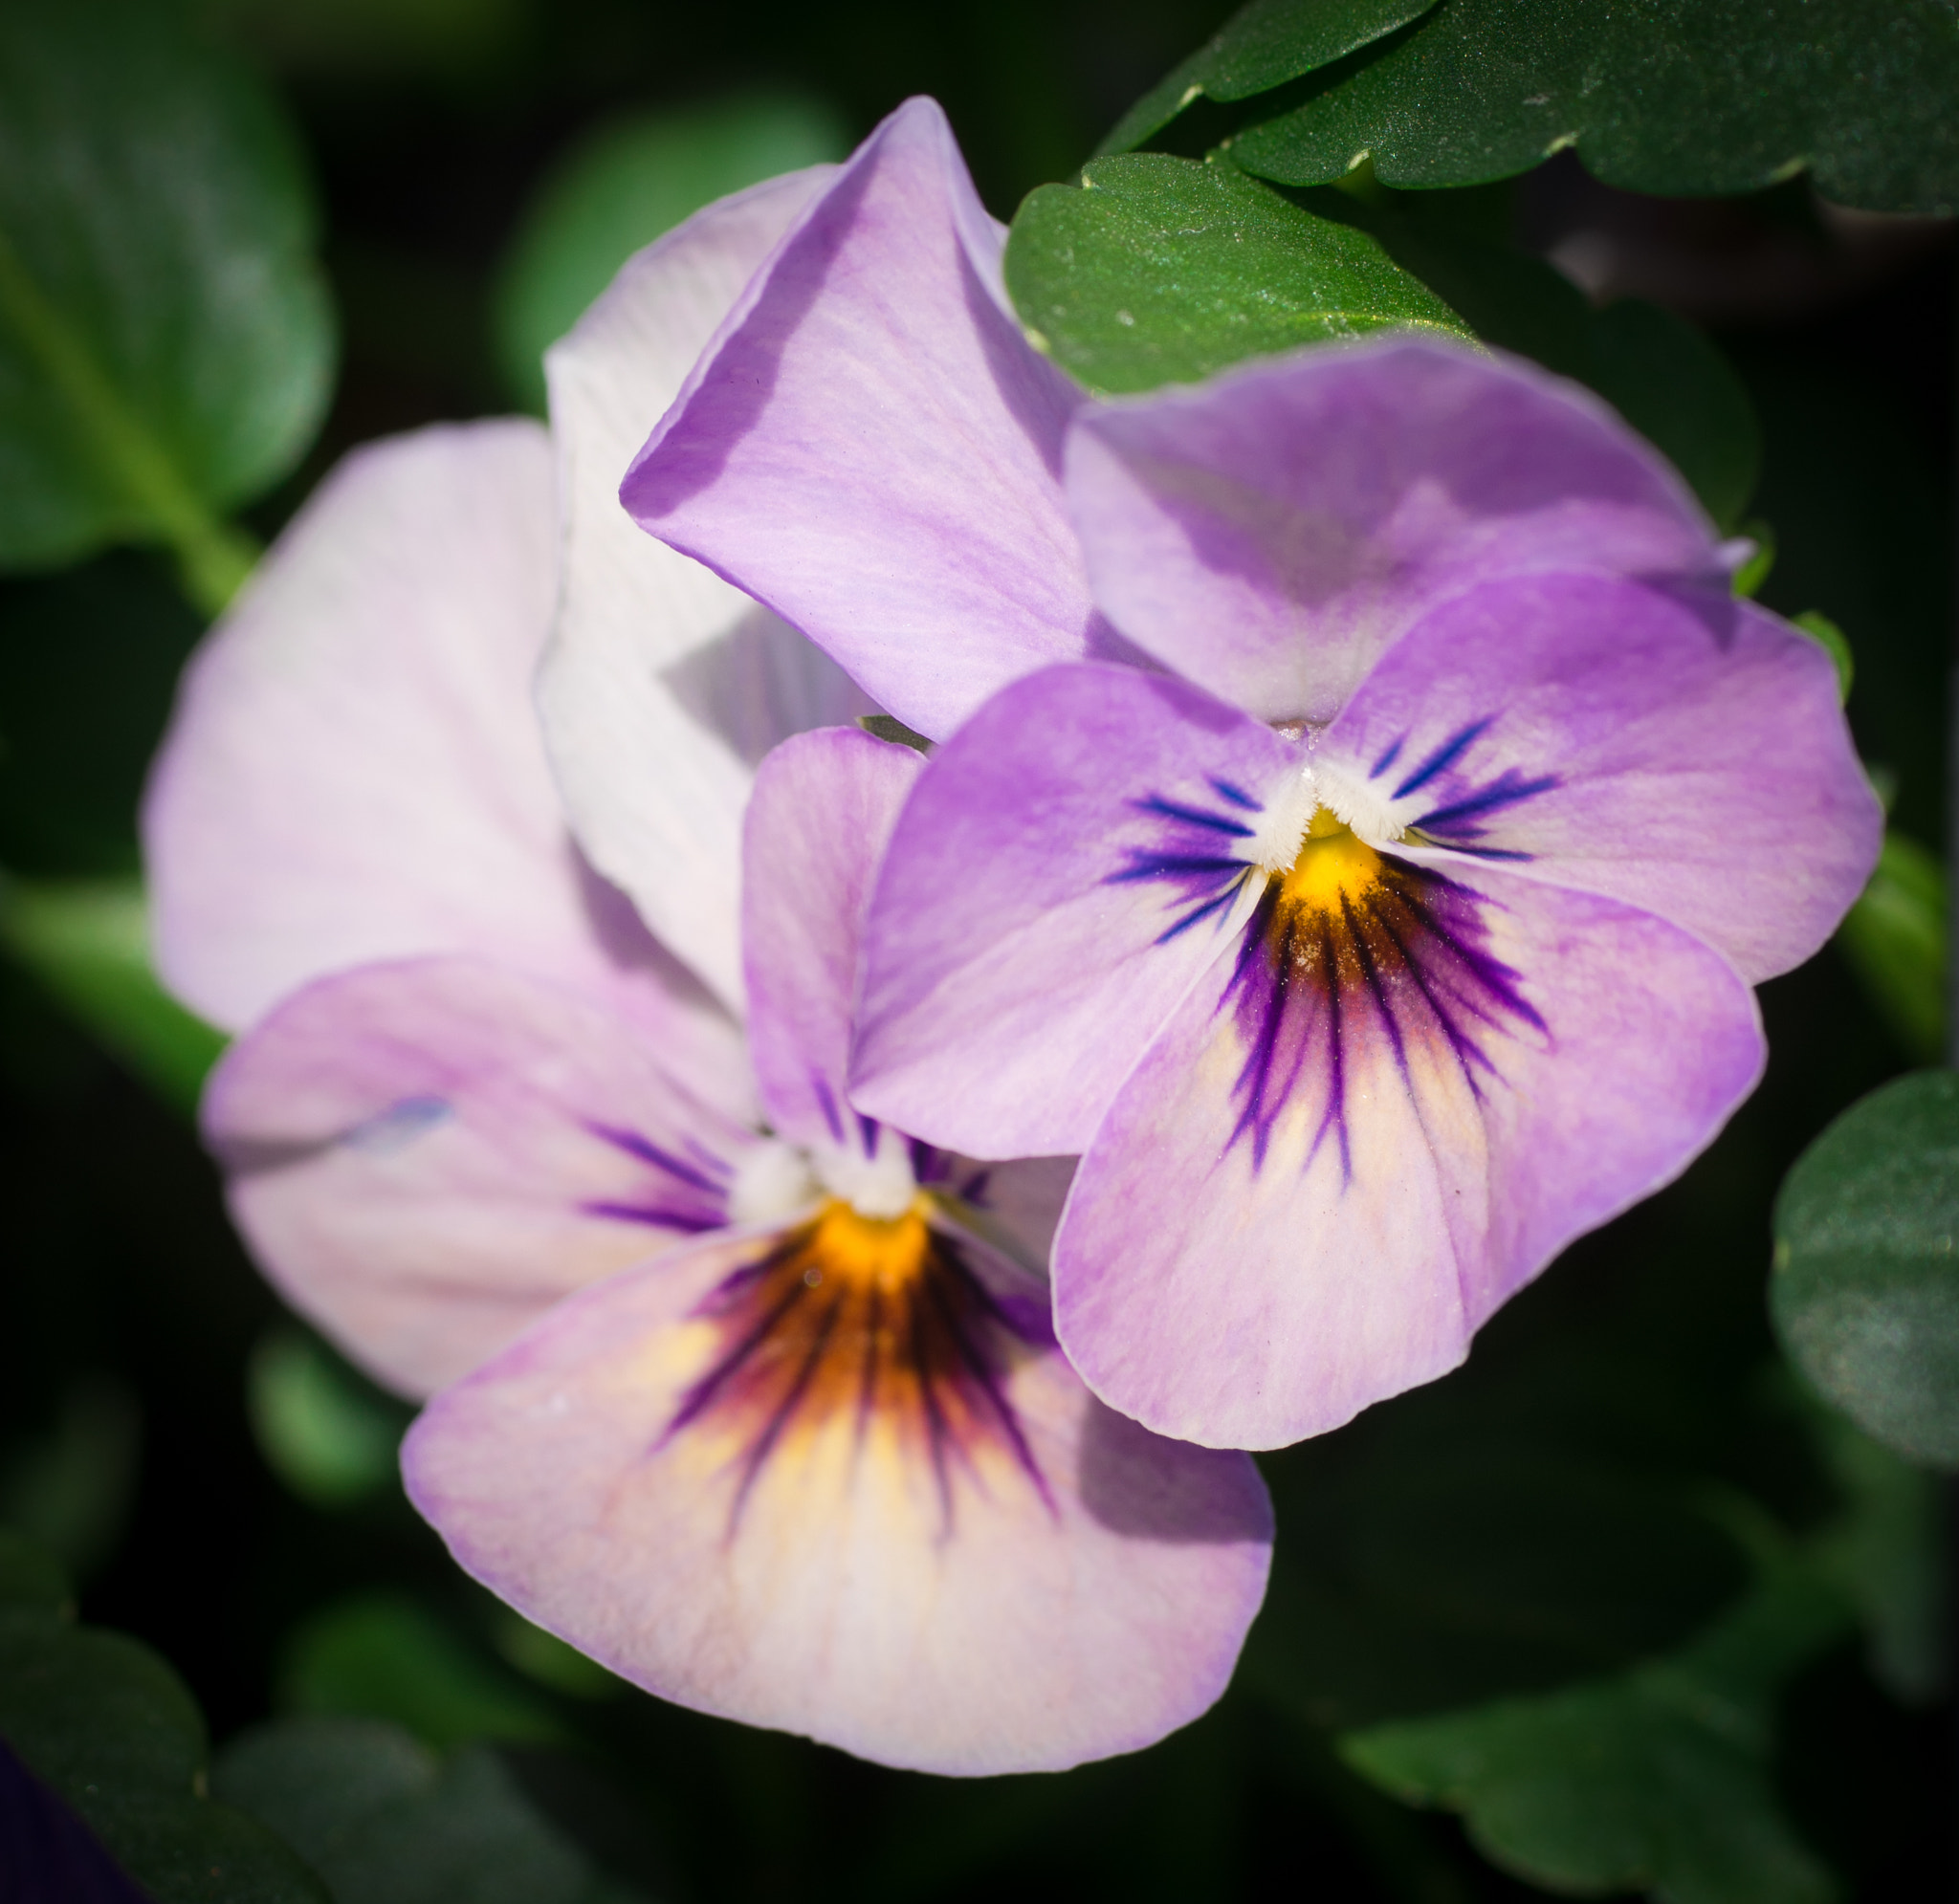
(880, 1186)
(1281, 830)
(778, 1180)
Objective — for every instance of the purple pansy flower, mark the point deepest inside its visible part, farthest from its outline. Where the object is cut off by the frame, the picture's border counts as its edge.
(749, 1396)
(1363, 810)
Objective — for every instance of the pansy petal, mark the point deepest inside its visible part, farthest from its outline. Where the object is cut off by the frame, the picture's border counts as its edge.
(1016, 1206)
(873, 449)
(1269, 533)
(956, 1575)
(426, 1156)
(1687, 755)
(1069, 862)
(1365, 1133)
(825, 805)
(663, 686)
(353, 773)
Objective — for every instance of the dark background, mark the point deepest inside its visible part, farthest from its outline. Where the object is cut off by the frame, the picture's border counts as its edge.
(128, 1312)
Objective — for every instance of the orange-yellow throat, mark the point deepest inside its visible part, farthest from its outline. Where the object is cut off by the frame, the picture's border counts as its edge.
(1334, 870)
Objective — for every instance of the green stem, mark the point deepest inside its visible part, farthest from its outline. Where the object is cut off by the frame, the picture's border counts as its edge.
(212, 556)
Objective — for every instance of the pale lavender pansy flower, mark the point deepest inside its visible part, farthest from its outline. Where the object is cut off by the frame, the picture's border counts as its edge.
(750, 1397)
(1393, 920)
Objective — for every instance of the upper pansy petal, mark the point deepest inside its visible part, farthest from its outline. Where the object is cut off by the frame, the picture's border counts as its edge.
(1364, 1134)
(1269, 533)
(980, 1570)
(426, 1156)
(663, 686)
(1682, 752)
(825, 805)
(873, 449)
(1071, 860)
(353, 771)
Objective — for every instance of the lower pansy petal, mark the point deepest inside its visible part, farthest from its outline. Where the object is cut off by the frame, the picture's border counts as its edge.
(426, 1156)
(833, 1479)
(1683, 753)
(1069, 862)
(1365, 1132)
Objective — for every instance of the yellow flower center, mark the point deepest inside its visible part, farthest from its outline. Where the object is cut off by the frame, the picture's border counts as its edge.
(885, 1253)
(1333, 868)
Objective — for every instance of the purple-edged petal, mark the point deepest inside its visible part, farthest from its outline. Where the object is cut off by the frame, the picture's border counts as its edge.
(1011, 1579)
(663, 686)
(873, 449)
(1071, 861)
(825, 805)
(1268, 534)
(1685, 755)
(353, 773)
(426, 1156)
(1362, 1135)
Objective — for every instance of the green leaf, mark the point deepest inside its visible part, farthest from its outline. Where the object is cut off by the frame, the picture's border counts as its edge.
(1262, 46)
(166, 342)
(109, 1726)
(385, 1822)
(87, 941)
(327, 1432)
(380, 1655)
(1761, 565)
(1659, 1781)
(1834, 643)
(1158, 269)
(1866, 1291)
(1895, 939)
(619, 188)
(1675, 97)
(1885, 1553)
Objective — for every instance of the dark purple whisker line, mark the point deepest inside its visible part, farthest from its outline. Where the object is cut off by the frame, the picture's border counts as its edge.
(1192, 815)
(867, 1128)
(935, 1417)
(778, 1419)
(648, 1152)
(1195, 916)
(706, 1391)
(1444, 756)
(1144, 865)
(866, 1387)
(1506, 790)
(1388, 759)
(826, 1102)
(1236, 795)
(1371, 975)
(988, 1385)
(656, 1216)
(1334, 1116)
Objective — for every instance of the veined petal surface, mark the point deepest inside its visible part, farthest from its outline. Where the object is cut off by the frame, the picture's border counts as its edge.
(1070, 862)
(353, 773)
(872, 448)
(663, 686)
(825, 805)
(1369, 1129)
(1270, 533)
(1685, 753)
(426, 1156)
(911, 1533)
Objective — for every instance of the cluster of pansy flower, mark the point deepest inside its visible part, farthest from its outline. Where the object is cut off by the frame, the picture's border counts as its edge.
(1360, 812)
